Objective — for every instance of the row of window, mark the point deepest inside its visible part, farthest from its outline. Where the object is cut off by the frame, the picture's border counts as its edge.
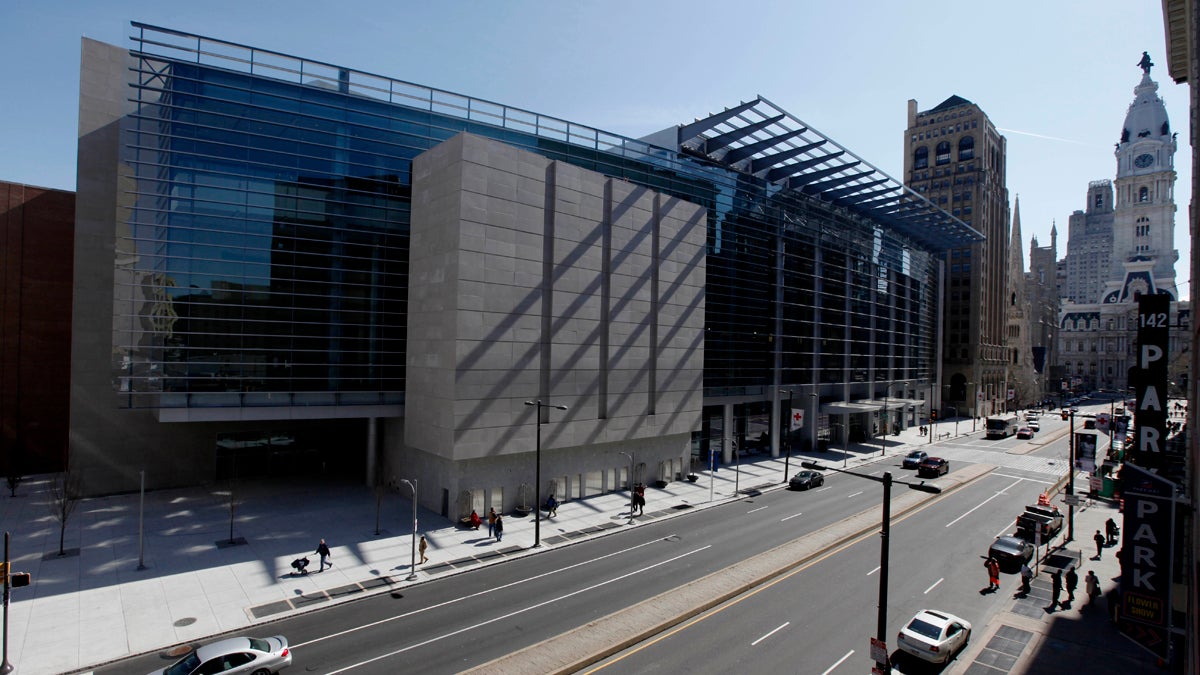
(943, 131)
(966, 151)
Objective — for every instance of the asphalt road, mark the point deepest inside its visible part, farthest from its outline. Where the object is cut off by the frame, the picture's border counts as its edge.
(454, 623)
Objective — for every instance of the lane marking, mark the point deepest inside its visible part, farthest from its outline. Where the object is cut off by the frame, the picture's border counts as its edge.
(823, 489)
(755, 643)
(790, 517)
(480, 593)
(1003, 531)
(1031, 480)
(981, 504)
(839, 662)
(758, 509)
(855, 494)
(873, 571)
(519, 611)
(934, 585)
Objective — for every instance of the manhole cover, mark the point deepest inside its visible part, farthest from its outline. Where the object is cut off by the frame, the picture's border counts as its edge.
(186, 621)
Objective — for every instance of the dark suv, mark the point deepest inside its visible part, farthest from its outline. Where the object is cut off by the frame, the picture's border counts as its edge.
(933, 466)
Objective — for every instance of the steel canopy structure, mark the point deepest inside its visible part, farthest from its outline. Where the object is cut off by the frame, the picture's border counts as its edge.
(761, 139)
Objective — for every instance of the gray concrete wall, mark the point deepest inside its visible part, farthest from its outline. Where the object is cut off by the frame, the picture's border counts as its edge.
(533, 279)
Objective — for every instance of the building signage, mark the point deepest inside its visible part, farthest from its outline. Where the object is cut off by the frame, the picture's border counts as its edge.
(1150, 380)
(1146, 558)
(1085, 451)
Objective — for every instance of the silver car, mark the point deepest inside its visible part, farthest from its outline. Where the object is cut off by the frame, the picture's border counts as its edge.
(934, 636)
(257, 656)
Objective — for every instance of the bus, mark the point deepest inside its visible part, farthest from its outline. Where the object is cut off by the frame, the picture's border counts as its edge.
(1002, 427)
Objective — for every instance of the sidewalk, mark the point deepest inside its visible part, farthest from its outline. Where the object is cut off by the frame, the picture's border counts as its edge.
(1026, 637)
(94, 605)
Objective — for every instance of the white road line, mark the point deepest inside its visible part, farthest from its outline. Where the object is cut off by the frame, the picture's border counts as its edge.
(1031, 480)
(1003, 531)
(755, 643)
(790, 517)
(981, 504)
(855, 494)
(934, 585)
(758, 509)
(873, 571)
(839, 662)
(481, 593)
(516, 612)
(822, 489)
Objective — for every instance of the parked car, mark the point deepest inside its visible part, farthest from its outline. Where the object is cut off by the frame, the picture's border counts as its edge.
(934, 635)
(933, 466)
(1011, 552)
(234, 655)
(806, 479)
(1044, 519)
(913, 459)
(1034, 426)
(1024, 432)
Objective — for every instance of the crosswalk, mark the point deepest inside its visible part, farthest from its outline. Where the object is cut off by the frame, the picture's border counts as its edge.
(1050, 466)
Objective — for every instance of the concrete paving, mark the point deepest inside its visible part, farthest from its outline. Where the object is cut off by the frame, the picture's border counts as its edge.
(110, 597)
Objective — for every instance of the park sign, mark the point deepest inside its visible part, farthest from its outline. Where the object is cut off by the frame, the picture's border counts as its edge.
(1150, 380)
(1146, 558)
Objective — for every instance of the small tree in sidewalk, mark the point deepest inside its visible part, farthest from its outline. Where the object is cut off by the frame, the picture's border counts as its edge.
(66, 490)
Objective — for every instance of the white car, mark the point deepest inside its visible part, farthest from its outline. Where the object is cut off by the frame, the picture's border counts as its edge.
(257, 656)
(934, 636)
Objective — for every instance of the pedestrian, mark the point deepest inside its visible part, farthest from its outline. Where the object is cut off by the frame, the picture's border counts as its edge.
(993, 570)
(1072, 580)
(323, 551)
(1099, 539)
(551, 506)
(1111, 529)
(499, 527)
(491, 521)
(424, 545)
(1026, 577)
(475, 521)
(1055, 588)
(1091, 584)
(641, 499)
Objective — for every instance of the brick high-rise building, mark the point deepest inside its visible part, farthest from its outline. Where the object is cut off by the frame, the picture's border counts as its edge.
(955, 157)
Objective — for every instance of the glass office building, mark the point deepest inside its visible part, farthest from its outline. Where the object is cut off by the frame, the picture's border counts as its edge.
(259, 270)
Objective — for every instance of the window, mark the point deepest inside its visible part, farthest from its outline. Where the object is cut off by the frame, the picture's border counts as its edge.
(943, 153)
(966, 148)
(921, 158)
(1099, 201)
(1143, 193)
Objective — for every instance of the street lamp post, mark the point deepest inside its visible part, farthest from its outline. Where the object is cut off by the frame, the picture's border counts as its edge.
(1071, 482)
(412, 567)
(787, 430)
(632, 498)
(884, 534)
(537, 472)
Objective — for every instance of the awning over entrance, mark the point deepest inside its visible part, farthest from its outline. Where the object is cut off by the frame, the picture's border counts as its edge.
(842, 407)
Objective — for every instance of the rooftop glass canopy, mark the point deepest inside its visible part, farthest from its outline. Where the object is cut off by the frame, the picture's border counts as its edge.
(762, 139)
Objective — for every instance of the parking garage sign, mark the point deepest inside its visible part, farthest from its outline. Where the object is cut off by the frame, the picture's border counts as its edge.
(1147, 553)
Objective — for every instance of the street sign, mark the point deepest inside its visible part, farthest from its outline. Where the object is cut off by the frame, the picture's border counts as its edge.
(879, 652)
(1072, 500)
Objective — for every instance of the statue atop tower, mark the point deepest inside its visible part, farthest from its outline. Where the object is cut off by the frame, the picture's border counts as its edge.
(1145, 64)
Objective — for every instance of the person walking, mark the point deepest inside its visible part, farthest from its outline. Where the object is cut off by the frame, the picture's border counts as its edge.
(1099, 539)
(1071, 578)
(1055, 589)
(1091, 585)
(424, 545)
(1111, 530)
(499, 527)
(551, 506)
(993, 570)
(323, 551)
(1026, 577)
(491, 522)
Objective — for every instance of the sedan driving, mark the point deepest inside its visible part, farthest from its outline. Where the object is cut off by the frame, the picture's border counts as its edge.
(806, 479)
(933, 466)
(234, 655)
(913, 459)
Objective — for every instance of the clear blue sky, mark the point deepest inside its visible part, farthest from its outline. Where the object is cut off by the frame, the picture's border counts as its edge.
(1056, 77)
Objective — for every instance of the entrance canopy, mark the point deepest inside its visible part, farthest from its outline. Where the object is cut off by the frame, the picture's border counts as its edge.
(843, 407)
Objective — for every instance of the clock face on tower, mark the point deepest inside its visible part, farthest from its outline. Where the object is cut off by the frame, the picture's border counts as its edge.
(1142, 161)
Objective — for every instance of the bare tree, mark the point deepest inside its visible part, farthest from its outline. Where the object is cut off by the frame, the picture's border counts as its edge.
(66, 490)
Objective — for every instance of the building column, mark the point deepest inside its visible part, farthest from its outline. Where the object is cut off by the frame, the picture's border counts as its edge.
(727, 434)
(372, 451)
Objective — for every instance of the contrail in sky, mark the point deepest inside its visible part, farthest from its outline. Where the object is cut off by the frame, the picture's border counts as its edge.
(1049, 138)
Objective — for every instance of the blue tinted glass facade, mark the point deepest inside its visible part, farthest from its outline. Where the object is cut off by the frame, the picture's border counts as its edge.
(265, 260)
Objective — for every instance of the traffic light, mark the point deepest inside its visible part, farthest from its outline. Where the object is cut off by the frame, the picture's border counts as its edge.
(19, 579)
(933, 415)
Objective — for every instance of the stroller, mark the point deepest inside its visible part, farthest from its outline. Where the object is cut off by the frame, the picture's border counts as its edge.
(299, 564)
